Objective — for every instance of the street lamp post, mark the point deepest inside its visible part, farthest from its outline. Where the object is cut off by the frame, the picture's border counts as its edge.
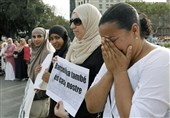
(72, 7)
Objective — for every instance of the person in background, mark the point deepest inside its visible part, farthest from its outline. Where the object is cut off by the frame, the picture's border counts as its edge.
(135, 76)
(84, 49)
(22, 57)
(29, 44)
(10, 64)
(3, 62)
(41, 47)
(16, 43)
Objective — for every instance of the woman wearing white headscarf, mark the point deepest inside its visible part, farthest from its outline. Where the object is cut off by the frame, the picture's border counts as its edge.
(10, 64)
(84, 45)
(41, 47)
(85, 48)
(3, 63)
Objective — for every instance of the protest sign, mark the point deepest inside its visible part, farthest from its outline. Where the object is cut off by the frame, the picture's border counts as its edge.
(27, 100)
(39, 83)
(68, 82)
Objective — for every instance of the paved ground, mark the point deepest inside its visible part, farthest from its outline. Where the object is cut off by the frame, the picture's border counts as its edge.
(11, 94)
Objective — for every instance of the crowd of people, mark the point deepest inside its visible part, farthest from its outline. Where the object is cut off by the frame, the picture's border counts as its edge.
(14, 59)
(128, 76)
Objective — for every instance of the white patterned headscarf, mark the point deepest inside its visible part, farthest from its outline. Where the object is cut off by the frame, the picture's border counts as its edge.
(80, 50)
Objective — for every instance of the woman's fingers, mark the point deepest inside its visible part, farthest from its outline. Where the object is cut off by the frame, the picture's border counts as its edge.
(114, 59)
(38, 69)
(129, 53)
(60, 111)
(113, 49)
(54, 59)
(105, 49)
(46, 75)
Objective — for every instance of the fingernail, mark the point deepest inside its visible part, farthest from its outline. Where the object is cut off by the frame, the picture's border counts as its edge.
(107, 40)
(130, 47)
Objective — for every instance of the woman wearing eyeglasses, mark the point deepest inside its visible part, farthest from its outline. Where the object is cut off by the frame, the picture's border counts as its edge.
(85, 50)
(41, 47)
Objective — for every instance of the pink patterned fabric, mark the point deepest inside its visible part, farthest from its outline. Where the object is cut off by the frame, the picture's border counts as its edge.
(9, 55)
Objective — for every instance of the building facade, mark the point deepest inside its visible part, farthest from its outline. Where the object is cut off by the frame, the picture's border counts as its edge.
(101, 5)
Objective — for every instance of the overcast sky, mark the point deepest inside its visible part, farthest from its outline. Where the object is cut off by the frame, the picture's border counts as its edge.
(63, 7)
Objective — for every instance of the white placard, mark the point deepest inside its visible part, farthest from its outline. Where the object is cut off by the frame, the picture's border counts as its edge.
(68, 82)
(27, 100)
(39, 83)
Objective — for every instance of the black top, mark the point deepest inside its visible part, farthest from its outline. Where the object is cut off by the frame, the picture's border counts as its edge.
(93, 63)
(20, 65)
(62, 53)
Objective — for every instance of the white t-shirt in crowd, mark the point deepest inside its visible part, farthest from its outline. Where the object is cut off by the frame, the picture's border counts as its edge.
(150, 80)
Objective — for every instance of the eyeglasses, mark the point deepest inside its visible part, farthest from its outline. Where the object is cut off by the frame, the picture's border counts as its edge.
(38, 36)
(76, 21)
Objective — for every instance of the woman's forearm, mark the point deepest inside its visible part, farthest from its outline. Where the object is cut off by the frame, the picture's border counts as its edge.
(96, 96)
(123, 94)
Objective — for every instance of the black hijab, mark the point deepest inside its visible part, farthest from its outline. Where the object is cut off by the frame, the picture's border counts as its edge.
(62, 32)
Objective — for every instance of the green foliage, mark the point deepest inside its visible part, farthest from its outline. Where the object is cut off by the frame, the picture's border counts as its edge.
(158, 13)
(167, 45)
(25, 15)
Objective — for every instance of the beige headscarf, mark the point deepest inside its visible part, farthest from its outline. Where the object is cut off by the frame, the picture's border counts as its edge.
(39, 53)
(80, 50)
(21, 45)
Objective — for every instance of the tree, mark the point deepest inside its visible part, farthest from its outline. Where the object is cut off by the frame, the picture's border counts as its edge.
(157, 12)
(24, 15)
